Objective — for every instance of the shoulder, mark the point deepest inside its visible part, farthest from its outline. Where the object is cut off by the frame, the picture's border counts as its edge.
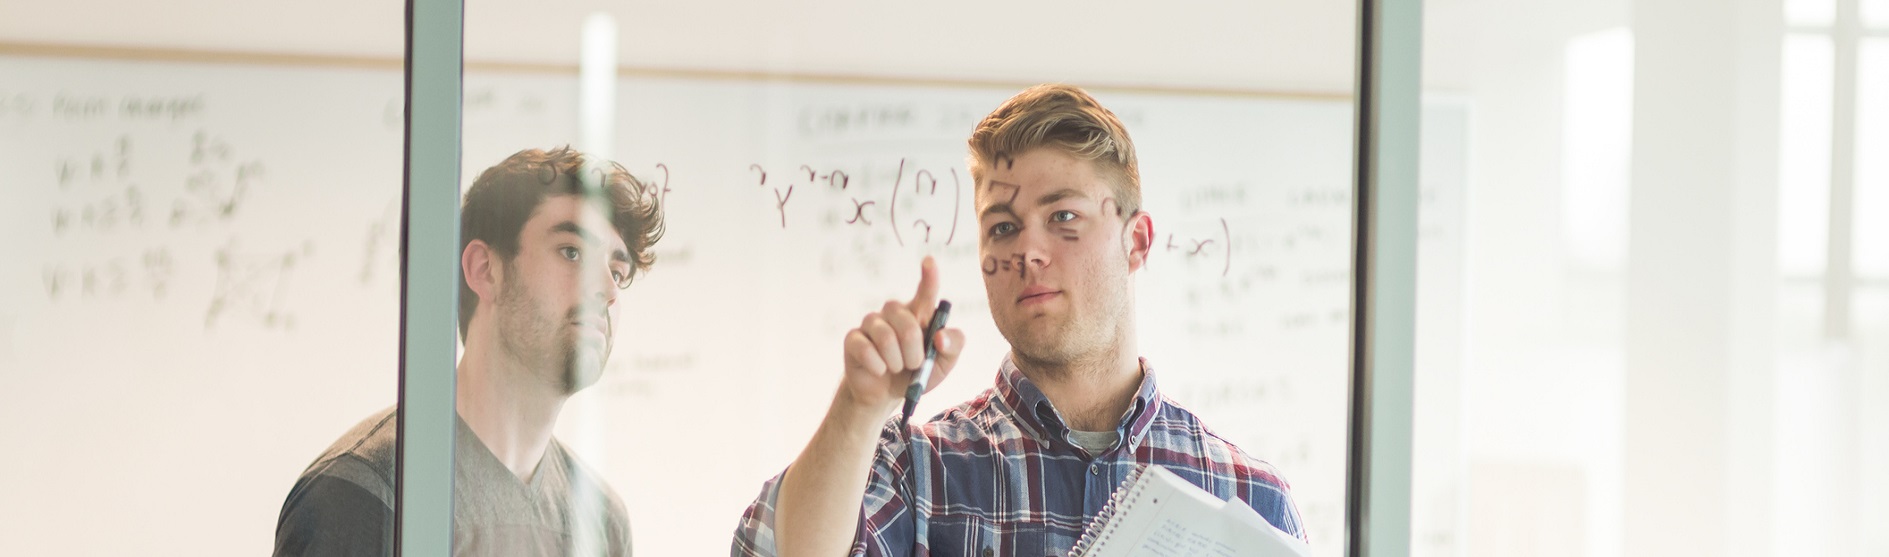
(363, 457)
(1178, 429)
(344, 499)
(1180, 440)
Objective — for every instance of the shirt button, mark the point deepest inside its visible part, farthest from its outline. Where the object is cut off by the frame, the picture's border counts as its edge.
(1095, 469)
(988, 552)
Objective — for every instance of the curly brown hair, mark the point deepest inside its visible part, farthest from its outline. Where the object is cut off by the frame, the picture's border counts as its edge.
(504, 196)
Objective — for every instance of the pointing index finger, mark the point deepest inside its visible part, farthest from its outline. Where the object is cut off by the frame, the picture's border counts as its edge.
(927, 296)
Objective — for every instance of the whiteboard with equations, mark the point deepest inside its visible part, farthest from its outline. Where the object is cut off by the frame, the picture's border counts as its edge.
(202, 291)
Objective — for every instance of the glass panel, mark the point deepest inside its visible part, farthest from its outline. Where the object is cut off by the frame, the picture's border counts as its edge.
(1871, 311)
(202, 293)
(807, 157)
(1624, 352)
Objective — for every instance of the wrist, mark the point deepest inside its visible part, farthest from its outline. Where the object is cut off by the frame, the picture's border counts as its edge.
(851, 410)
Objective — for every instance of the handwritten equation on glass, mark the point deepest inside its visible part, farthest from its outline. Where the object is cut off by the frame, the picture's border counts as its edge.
(910, 183)
(923, 182)
(101, 195)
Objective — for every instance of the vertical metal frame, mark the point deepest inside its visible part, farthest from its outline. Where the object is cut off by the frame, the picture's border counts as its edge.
(1384, 271)
(429, 285)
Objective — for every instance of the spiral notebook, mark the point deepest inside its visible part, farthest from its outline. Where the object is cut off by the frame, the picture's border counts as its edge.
(1157, 514)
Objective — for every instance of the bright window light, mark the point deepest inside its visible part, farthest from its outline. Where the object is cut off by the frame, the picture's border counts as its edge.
(1872, 163)
(1875, 14)
(1804, 155)
(1815, 13)
(1596, 147)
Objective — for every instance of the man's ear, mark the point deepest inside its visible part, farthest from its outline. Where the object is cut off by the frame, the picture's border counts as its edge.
(1139, 240)
(479, 263)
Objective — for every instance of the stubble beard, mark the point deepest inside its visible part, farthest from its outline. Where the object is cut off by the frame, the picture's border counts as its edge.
(1058, 342)
(546, 343)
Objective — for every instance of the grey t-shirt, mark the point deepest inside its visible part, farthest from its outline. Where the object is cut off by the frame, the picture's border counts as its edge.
(343, 503)
(1094, 442)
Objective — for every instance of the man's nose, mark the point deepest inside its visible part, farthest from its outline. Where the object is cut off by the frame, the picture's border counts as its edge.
(602, 285)
(1033, 250)
(609, 293)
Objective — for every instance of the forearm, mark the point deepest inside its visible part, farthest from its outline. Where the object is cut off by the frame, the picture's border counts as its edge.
(818, 509)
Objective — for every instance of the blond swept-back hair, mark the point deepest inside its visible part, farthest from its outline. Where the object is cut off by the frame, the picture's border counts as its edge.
(1066, 118)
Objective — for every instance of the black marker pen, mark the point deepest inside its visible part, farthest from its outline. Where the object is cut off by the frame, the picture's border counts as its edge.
(931, 354)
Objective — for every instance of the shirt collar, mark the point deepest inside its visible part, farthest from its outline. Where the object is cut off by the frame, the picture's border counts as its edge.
(1038, 415)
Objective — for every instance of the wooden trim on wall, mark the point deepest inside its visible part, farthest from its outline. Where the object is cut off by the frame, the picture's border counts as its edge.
(102, 52)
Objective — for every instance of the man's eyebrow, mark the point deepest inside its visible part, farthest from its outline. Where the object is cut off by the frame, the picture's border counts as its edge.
(570, 227)
(995, 208)
(1001, 206)
(1046, 199)
(1060, 195)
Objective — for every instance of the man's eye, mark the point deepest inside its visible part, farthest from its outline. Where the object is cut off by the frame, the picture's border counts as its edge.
(1002, 228)
(569, 253)
(1062, 216)
(622, 279)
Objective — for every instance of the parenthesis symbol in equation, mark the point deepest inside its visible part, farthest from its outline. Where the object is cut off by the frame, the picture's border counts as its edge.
(1228, 235)
(896, 180)
(957, 202)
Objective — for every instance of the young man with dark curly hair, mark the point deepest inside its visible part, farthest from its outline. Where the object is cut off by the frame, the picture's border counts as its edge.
(547, 242)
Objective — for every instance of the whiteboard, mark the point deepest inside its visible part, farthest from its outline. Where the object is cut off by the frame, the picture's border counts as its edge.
(205, 294)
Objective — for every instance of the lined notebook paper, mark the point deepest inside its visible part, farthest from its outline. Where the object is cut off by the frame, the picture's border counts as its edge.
(1157, 514)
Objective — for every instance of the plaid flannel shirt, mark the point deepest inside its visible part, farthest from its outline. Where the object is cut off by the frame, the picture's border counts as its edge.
(999, 476)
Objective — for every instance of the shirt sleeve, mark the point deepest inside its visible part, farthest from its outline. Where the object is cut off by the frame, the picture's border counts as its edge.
(888, 527)
(326, 516)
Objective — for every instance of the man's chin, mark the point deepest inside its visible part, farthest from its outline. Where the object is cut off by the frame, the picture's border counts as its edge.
(1040, 348)
(585, 369)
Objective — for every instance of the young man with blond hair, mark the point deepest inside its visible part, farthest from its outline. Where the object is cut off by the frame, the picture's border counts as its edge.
(1022, 468)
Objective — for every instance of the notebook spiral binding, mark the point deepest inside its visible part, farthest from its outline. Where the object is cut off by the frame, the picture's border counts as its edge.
(1100, 529)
